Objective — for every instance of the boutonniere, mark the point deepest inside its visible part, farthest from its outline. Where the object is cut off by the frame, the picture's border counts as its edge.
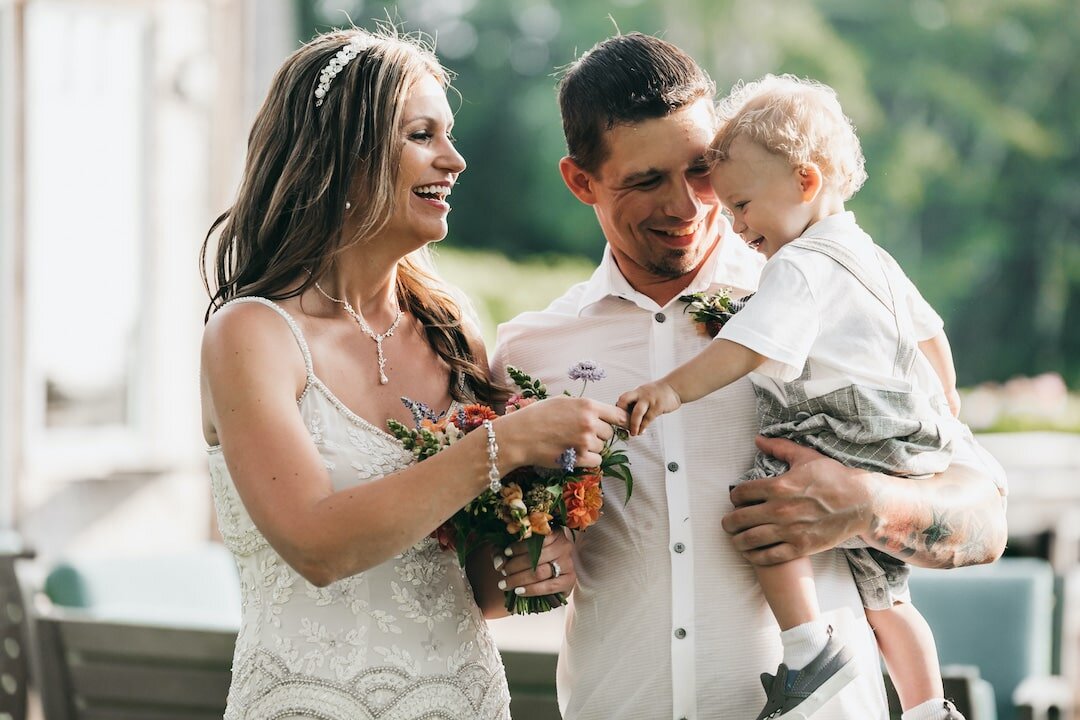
(712, 310)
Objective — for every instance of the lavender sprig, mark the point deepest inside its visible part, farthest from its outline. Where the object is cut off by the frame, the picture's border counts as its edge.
(420, 411)
(568, 459)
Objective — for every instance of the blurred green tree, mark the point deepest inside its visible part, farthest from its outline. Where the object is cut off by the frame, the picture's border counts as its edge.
(969, 114)
(505, 56)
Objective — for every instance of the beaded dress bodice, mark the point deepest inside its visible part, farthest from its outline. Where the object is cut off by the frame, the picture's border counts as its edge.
(400, 641)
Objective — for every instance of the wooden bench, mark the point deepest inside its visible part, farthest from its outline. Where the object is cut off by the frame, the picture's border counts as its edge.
(92, 669)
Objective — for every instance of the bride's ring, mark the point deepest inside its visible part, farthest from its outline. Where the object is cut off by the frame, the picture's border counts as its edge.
(556, 571)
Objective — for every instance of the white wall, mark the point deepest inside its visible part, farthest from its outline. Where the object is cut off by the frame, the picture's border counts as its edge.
(136, 138)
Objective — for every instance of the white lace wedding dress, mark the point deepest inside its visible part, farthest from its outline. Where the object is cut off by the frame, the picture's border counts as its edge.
(401, 641)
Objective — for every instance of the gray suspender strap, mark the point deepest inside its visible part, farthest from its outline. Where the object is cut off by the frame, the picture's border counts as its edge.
(885, 294)
(850, 262)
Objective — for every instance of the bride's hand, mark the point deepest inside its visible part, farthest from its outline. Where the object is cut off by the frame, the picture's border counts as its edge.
(540, 433)
(517, 571)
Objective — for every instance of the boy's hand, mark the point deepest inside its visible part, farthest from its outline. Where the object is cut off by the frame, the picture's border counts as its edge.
(954, 401)
(647, 403)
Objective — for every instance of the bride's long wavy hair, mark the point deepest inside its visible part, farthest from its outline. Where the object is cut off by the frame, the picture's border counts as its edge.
(304, 162)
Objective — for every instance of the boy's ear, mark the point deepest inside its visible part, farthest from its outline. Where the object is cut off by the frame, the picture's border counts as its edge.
(578, 180)
(810, 181)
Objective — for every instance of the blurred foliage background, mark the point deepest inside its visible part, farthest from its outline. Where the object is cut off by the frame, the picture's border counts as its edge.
(969, 114)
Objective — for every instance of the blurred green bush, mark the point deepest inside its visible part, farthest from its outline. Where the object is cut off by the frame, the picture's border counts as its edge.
(500, 288)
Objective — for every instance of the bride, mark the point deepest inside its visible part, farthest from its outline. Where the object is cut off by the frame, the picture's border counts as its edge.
(323, 315)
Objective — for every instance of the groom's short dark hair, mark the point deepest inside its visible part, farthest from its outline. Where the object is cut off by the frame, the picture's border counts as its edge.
(624, 79)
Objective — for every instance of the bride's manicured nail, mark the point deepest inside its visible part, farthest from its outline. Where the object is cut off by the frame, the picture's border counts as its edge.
(499, 562)
(508, 552)
(502, 584)
(519, 591)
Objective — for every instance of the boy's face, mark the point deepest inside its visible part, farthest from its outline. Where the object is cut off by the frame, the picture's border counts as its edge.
(765, 195)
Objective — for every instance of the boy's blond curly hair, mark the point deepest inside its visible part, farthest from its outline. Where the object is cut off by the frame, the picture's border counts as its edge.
(797, 119)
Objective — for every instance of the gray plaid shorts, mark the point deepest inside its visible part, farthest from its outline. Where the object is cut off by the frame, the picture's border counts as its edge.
(877, 430)
(882, 580)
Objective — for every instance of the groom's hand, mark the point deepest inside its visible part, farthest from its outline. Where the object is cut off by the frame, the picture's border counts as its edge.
(816, 505)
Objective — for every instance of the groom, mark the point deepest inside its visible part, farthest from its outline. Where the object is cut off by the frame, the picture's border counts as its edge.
(666, 620)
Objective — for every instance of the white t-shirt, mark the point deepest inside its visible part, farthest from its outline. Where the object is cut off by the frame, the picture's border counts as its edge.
(668, 620)
(810, 308)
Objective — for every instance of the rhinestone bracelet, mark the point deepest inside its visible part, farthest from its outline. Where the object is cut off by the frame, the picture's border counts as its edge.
(494, 483)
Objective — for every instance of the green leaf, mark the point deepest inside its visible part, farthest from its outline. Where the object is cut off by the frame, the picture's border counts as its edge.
(535, 544)
(526, 383)
(622, 472)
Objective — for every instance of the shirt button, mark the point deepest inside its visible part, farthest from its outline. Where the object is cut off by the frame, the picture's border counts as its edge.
(680, 633)
(660, 317)
(801, 416)
(679, 547)
(673, 467)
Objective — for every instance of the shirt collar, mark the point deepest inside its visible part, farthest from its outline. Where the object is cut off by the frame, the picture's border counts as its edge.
(841, 224)
(731, 264)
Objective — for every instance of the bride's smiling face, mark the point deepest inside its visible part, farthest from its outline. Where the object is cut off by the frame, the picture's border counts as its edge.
(428, 169)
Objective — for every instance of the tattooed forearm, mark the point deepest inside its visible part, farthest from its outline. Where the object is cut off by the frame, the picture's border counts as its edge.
(935, 523)
(940, 530)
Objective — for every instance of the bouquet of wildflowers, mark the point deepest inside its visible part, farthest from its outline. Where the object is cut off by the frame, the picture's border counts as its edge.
(532, 502)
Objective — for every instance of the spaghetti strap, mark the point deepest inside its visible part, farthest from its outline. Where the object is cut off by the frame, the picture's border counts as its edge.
(292, 326)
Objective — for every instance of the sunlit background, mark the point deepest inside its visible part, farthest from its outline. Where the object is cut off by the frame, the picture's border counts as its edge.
(122, 131)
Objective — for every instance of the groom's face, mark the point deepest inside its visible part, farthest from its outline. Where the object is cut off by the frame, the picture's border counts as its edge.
(652, 194)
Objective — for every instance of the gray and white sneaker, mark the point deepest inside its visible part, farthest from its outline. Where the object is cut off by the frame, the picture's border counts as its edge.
(798, 694)
(951, 713)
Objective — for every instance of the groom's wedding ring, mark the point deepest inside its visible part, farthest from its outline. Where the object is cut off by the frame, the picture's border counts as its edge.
(556, 571)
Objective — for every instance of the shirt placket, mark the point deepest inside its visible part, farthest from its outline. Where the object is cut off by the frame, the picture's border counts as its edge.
(680, 548)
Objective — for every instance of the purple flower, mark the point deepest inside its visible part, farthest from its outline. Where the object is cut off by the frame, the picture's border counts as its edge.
(587, 370)
(420, 411)
(568, 459)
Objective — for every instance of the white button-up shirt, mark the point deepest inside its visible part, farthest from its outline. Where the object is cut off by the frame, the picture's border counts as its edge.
(667, 619)
(811, 308)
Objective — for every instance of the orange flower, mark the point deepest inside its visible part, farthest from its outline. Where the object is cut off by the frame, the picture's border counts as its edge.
(535, 522)
(512, 511)
(510, 492)
(433, 426)
(538, 522)
(583, 499)
(473, 416)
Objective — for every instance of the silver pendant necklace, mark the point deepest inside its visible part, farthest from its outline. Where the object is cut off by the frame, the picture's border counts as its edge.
(366, 329)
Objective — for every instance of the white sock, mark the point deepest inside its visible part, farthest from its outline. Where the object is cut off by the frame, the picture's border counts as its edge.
(802, 643)
(934, 709)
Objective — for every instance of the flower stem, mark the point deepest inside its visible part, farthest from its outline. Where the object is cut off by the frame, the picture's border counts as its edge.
(521, 605)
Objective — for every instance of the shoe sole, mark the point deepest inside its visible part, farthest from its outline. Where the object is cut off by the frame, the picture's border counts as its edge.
(826, 692)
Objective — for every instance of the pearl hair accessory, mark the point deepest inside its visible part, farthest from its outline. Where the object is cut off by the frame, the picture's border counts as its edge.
(337, 63)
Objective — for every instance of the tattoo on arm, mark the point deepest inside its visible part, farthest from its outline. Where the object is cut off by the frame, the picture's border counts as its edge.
(938, 531)
(934, 534)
